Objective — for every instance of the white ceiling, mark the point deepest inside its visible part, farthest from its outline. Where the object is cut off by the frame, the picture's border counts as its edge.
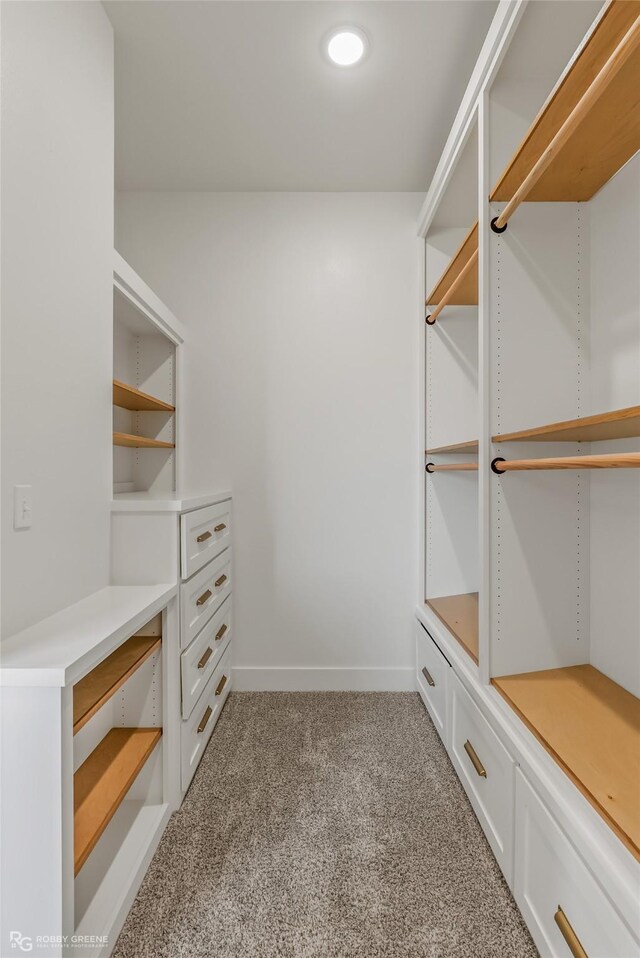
(237, 95)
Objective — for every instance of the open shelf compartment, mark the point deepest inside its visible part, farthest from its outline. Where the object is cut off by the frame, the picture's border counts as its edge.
(96, 688)
(460, 615)
(102, 782)
(591, 727)
(606, 137)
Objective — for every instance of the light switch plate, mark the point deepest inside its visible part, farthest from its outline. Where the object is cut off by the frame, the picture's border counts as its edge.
(22, 507)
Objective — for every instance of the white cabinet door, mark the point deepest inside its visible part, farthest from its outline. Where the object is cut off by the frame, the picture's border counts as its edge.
(431, 678)
(486, 771)
(565, 908)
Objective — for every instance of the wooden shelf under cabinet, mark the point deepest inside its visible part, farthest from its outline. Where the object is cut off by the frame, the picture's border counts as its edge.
(470, 447)
(460, 615)
(128, 397)
(617, 424)
(591, 727)
(96, 688)
(103, 780)
(140, 442)
(602, 142)
(467, 293)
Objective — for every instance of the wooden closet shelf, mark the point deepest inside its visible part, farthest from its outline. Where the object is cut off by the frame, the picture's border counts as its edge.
(460, 615)
(103, 780)
(591, 727)
(96, 688)
(617, 424)
(465, 293)
(625, 460)
(470, 446)
(127, 397)
(589, 127)
(140, 442)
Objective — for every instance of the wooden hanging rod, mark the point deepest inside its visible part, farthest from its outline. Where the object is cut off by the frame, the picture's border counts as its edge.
(616, 61)
(452, 467)
(626, 460)
(450, 293)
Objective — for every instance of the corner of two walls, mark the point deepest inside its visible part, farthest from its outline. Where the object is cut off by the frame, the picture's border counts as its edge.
(57, 243)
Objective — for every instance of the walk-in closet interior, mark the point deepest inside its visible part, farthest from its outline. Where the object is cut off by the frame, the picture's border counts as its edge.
(320, 478)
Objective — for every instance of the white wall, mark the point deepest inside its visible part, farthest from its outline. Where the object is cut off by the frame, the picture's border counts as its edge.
(57, 240)
(301, 395)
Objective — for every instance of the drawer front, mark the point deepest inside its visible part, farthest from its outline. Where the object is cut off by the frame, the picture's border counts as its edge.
(204, 534)
(431, 677)
(203, 655)
(486, 771)
(561, 901)
(202, 595)
(196, 730)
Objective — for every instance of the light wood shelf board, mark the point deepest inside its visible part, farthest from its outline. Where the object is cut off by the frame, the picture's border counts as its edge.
(591, 727)
(96, 688)
(467, 294)
(128, 397)
(102, 782)
(617, 424)
(140, 442)
(606, 138)
(470, 446)
(460, 615)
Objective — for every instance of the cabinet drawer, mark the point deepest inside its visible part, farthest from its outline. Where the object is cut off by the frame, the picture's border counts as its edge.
(431, 676)
(204, 534)
(202, 595)
(560, 899)
(196, 730)
(486, 771)
(202, 657)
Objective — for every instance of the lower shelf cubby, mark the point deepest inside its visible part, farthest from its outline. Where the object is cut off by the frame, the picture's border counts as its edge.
(102, 781)
(460, 615)
(590, 725)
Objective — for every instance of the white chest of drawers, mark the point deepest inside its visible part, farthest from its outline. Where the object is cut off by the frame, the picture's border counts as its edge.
(187, 540)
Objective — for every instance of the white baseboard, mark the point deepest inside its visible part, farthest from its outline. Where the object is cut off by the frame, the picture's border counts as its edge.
(323, 680)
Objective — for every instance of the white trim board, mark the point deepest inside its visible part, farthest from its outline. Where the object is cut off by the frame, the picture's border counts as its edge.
(323, 680)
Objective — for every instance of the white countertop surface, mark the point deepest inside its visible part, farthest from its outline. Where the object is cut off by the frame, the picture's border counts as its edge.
(62, 648)
(165, 501)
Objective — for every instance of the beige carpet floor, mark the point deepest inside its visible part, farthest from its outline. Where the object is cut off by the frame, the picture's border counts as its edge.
(324, 825)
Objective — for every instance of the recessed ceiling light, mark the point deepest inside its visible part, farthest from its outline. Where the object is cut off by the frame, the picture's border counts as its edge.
(346, 46)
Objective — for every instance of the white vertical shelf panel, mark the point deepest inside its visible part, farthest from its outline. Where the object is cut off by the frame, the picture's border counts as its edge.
(615, 369)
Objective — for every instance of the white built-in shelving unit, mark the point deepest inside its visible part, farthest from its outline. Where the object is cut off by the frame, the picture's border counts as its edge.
(146, 362)
(532, 481)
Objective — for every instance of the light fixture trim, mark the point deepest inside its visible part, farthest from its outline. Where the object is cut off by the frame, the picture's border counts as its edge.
(346, 45)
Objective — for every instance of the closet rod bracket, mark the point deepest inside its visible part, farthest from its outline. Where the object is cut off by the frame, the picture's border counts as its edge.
(495, 227)
(494, 464)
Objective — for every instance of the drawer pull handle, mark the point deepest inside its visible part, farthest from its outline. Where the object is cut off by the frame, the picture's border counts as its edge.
(475, 761)
(428, 677)
(205, 658)
(203, 598)
(221, 631)
(205, 718)
(221, 684)
(220, 581)
(569, 934)
(219, 527)
(205, 535)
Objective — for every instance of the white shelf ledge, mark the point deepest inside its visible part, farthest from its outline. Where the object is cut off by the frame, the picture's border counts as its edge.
(62, 648)
(165, 501)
